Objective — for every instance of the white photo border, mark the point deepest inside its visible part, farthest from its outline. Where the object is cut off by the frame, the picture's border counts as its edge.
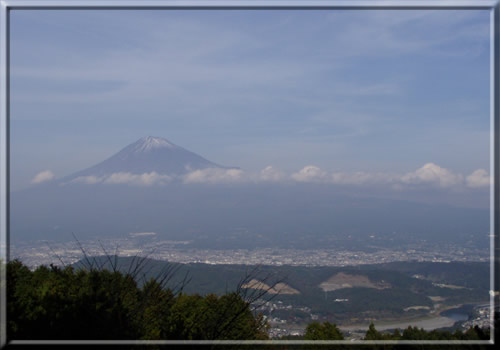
(7, 5)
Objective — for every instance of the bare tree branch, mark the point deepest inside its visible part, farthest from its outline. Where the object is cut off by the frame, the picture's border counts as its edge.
(249, 297)
(107, 256)
(57, 255)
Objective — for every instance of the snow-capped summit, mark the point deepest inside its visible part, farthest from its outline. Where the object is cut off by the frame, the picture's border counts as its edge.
(146, 155)
(148, 143)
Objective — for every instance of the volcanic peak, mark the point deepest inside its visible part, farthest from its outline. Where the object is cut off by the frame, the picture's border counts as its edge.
(148, 143)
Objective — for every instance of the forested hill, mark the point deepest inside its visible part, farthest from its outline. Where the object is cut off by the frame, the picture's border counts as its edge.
(339, 294)
(208, 278)
(93, 302)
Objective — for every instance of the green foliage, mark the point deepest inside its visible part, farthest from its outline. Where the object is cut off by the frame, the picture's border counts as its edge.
(325, 331)
(415, 333)
(195, 317)
(55, 303)
(157, 303)
(373, 334)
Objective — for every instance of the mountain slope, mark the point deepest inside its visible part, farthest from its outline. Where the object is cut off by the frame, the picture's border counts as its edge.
(146, 155)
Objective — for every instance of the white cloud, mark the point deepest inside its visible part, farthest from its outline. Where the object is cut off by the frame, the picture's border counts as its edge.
(88, 180)
(214, 175)
(431, 173)
(145, 179)
(270, 173)
(43, 176)
(428, 175)
(309, 173)
(478, 178)
(362, 178)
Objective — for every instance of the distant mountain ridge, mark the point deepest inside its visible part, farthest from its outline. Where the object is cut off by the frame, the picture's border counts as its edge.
(149, 154)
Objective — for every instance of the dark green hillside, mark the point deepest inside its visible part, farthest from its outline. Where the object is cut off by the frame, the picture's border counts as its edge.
(467, 274)
(400, 286)
(97, 303)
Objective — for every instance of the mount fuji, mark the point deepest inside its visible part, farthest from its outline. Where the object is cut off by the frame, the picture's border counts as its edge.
(146, 155)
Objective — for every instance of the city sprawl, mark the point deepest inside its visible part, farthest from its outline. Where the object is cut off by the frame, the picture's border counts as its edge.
(49, 252)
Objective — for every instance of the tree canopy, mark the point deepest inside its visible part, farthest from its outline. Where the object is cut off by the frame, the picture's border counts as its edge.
(55, 303)
(323, 331)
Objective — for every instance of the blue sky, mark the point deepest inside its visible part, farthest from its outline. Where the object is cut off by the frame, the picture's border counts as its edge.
(344, 91)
